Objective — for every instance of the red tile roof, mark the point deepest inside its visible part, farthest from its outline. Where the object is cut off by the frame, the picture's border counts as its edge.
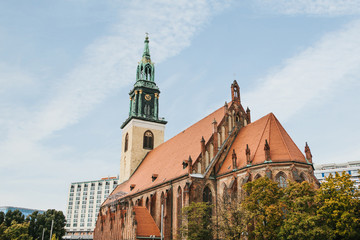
(282, 148)
(146, 225)
(166, 159)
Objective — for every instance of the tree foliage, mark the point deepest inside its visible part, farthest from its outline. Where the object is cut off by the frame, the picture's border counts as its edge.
(14, 225)
(17, 231)
(296, 212)
(339, 207)
(264, 208)
(199, 224)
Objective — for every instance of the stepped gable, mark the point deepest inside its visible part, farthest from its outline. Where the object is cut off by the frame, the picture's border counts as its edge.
(282, 147)
(166, 159)
(146, 225)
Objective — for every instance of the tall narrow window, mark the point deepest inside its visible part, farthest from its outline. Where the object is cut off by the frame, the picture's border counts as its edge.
(126, 142)
(281, 179)
(148, 140)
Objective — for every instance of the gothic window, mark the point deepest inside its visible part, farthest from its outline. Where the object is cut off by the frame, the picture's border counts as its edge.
(148, 140)
(179, 207)
(257, 176)
(225, 194)
(207, 195)
(236, 92)
(147, 204)
(148, 72)
(126, 142)
(153, 206)
(302, 177)
(208, 198)
(281, 179)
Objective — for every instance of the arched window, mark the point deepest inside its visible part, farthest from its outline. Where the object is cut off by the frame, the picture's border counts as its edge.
(281, 179)
(179, 207)
(225, 194)
(302, 177)
(147, 204)
(126, 142)
(148, 140)
(207, 195)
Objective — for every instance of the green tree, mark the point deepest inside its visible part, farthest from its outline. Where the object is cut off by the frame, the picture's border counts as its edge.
(17, 231)
(198, 223)
(15, 215)
(2, 230)
(2, 217)
(264, 209)
(38, 222)
(301, 221)
(339, 207)
(232, 224)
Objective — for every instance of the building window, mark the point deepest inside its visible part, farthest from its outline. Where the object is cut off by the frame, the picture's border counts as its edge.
(148, 140)
(207, 195)
(126, 142)
(281, 179)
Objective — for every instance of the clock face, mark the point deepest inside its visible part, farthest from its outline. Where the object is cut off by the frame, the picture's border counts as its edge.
(147, 97)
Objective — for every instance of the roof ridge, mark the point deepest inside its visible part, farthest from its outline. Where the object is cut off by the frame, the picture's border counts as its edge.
(282, 137)
(262, 134)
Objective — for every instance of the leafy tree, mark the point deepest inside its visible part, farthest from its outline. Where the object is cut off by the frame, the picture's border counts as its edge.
(15, 215)
(198, 222)
(232, 224)
(300, 220)
(38, 222)
(2, 217)
(17, 231)
(2, 230)
(264, 209)
(339, 207)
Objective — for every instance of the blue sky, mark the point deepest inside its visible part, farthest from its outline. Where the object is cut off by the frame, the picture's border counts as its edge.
(66, 68)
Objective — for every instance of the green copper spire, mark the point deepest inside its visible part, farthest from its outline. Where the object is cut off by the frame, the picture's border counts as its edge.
(144, 97)
(146, 54)
(145, 69)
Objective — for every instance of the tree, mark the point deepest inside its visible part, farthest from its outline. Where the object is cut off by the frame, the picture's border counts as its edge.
(2, 217)
(339, 207)
(15, 215)
(2, 230)
(38, 222)
(198, 221)
(301, 221)
(17, 231)
(232, 224)
(263, 208)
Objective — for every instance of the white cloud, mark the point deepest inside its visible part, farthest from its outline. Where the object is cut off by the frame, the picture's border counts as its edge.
(309, 77)
(312, 7)
(107, 65)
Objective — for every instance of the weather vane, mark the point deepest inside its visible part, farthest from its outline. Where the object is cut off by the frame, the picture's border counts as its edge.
(147, 34)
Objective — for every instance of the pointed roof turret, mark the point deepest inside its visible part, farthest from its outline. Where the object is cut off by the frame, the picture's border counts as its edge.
(146, 53)
(144, 97)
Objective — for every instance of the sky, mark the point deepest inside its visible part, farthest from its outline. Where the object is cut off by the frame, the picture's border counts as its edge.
(66, 68)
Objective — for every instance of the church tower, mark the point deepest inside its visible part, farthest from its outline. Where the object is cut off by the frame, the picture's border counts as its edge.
(143, 130)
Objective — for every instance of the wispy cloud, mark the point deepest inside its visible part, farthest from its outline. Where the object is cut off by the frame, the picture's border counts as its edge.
(107, 65)
(310, 76)
(311, 7)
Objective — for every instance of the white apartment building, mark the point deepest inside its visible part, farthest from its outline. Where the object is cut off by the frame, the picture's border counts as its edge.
(84, 201)
(352, 168)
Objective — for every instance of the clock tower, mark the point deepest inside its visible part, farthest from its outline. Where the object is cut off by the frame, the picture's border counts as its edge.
(143, 130)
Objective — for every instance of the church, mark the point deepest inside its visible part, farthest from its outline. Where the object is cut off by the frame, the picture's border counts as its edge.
(213, 157)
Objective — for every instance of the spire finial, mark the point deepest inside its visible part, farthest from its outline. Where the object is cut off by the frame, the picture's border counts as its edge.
(146, 53)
